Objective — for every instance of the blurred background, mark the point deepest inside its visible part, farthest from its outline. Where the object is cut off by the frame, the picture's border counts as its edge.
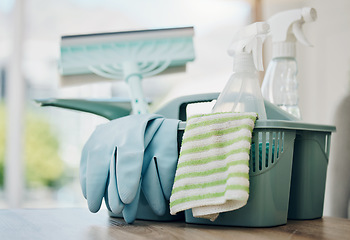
(40, 147)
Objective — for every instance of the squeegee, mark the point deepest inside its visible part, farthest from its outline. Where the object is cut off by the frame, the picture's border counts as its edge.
(129, 55)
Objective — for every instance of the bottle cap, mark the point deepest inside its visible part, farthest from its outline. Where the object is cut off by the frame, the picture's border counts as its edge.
(283, 49)
(249, 40)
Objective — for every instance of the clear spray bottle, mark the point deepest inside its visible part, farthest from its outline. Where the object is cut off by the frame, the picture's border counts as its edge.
(280, 85)
(242, 93)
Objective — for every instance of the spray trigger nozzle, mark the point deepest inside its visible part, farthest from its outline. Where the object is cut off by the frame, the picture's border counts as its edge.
(299, 35)
(309, 14)
(249, 40)
(286, 29)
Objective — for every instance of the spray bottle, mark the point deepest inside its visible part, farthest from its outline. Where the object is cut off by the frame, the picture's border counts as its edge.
(280, 85)
(242, 92)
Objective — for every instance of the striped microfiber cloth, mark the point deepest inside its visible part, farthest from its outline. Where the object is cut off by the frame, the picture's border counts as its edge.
(212, 174)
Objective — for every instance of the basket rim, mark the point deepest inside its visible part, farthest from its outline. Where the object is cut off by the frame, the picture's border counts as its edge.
(293, 125)
(283, 124)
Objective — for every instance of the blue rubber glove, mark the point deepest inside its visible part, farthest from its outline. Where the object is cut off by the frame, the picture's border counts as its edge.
(148, 175)
(113, 164)
(150, 186)
(97, 169)
(164, 150)
(121, 139)
(130, 155)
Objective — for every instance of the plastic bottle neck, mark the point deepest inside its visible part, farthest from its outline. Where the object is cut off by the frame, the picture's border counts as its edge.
(243, 62)
(283, 60)
(284, 49)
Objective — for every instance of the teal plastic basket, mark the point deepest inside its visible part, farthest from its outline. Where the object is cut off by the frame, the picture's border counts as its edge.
(310, 156)
(269, 178)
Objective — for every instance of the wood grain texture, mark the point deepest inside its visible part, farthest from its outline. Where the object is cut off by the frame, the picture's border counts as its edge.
(81, 224)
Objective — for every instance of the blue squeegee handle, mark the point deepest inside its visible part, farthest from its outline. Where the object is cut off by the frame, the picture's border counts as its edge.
(133, 78)
(138, 101)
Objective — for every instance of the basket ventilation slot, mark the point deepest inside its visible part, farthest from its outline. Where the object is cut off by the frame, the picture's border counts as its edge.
(270, 143)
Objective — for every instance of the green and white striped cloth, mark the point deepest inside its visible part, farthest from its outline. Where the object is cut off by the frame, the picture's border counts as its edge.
(212, 174)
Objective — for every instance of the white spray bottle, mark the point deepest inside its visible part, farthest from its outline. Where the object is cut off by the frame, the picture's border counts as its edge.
(242, 93)
(280, 85)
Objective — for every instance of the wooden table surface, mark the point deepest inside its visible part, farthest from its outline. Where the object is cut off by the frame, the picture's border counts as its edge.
(75, 223)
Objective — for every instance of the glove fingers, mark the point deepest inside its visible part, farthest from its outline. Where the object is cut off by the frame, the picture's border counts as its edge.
(152, 190)
(114, 201)
(128, 174)
(97, 172)
(95, 137)
(151, 129)
(130, 159)
(106, 201)
(130, 210)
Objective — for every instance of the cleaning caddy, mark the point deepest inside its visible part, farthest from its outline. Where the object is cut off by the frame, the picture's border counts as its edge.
(131, 161)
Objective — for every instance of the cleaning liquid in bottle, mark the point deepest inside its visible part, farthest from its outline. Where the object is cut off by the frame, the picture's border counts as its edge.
(280, 85)
(242, 92)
